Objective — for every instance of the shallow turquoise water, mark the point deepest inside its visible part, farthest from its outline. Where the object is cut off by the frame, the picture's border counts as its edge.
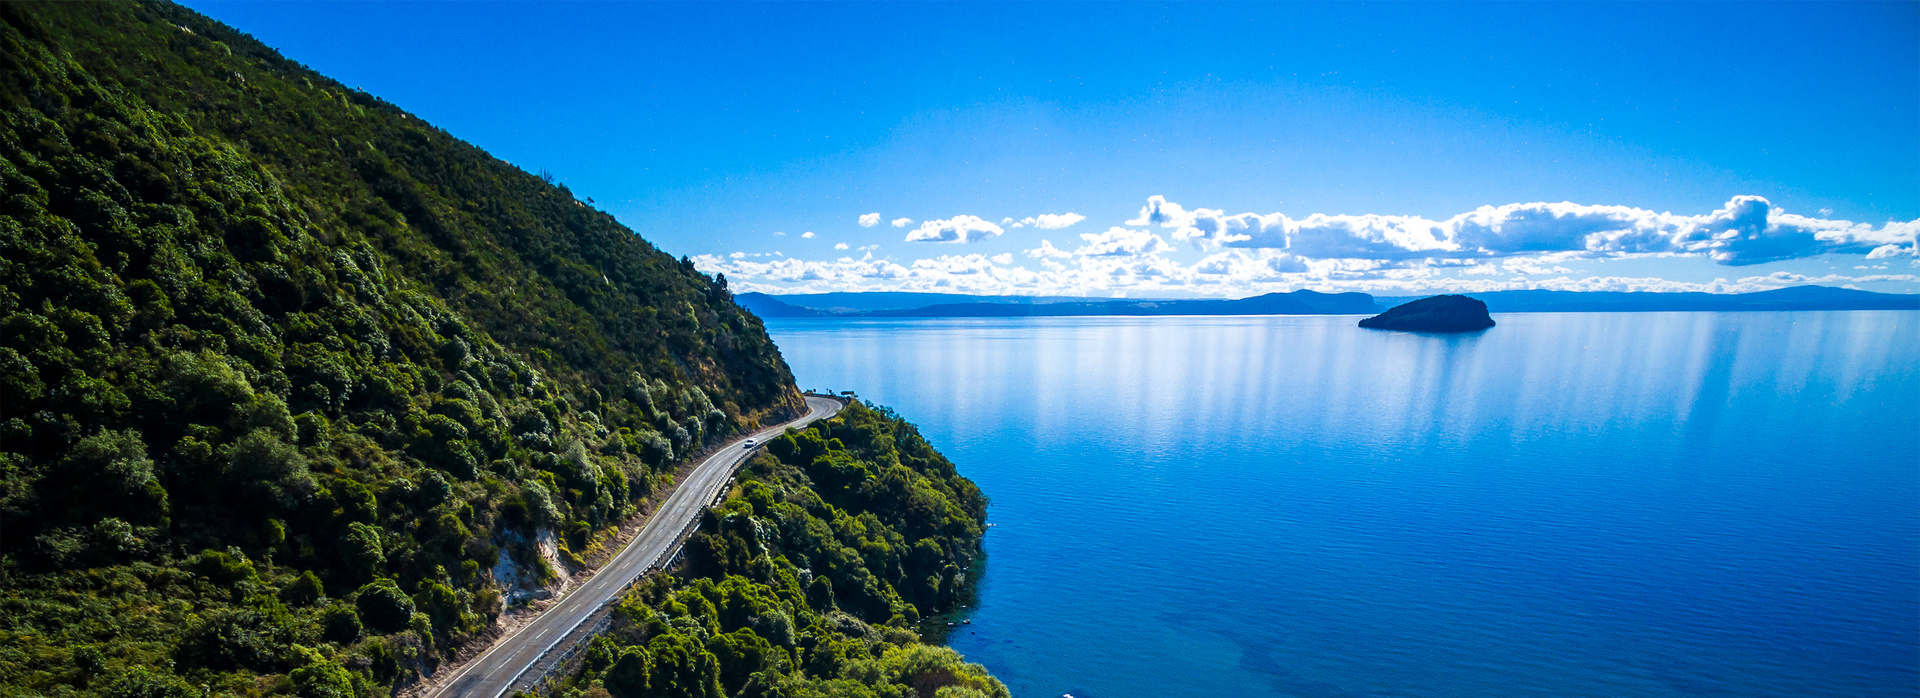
(1658, 504)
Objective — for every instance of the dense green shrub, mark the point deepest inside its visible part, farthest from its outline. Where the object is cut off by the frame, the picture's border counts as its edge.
(360, 550)
(384, 607)
(303, 591)
(340, 625)
(318, 678)
(142, 682)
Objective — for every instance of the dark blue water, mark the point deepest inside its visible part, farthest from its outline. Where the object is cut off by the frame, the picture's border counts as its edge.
(1659, 504)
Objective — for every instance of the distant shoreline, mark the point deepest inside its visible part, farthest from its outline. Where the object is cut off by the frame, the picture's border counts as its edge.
(923, 305)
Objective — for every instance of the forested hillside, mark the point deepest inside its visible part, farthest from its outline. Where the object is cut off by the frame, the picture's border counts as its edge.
(292, 384)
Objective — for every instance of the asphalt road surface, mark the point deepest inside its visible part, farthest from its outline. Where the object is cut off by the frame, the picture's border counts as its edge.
(493, 673)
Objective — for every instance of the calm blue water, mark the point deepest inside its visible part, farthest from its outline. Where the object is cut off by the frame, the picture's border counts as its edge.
(1659, 504)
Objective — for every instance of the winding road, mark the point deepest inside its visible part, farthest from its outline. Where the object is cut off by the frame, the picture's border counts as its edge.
(496, 671)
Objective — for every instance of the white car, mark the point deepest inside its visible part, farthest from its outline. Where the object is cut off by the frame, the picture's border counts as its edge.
(747, 444)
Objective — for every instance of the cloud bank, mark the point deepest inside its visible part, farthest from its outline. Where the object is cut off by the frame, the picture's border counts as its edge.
(1747, 230)
(1230, 273)
(1046, 221)
(1514, 246)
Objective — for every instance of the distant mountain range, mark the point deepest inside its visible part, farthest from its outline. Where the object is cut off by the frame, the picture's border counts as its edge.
(914, 305)
(892, 304)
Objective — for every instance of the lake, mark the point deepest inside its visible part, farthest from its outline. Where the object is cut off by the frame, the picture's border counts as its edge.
(1633, 504)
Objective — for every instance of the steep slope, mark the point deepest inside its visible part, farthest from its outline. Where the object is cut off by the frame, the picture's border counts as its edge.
(286, 373)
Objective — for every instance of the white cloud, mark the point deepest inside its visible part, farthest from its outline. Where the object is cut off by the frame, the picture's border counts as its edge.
(868, 220)
(902, 222)
(779, 234)
(1787, 278)
(1160, 211)
(960, 229)
(839, 245)
(807, 235)
(1055, 221)
(1526, 266)
(1748, 230)
(1046, 249)
(1003, 258)
(1122, 242)
(801, 271)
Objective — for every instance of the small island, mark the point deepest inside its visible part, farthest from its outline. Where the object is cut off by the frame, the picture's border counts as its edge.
(1449, 313)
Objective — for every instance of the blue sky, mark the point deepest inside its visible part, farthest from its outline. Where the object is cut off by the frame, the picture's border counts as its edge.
(1385, 148)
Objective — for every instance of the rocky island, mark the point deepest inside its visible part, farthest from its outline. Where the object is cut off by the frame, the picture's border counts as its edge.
(1449, 313)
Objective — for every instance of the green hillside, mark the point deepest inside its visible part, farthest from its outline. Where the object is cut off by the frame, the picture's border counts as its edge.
(286, 373)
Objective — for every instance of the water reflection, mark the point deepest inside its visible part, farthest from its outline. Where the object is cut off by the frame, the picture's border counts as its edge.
(1578, 504)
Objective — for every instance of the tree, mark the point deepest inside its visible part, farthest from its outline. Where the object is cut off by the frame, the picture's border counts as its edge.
(682, 668)
(384, 607)
(320, 678)
(361, 550)
(114, 476)
(340, 625)
(268, 470)
(142, 682)
(742, 653)
(303, 590)
(629, 675)
(441, 605)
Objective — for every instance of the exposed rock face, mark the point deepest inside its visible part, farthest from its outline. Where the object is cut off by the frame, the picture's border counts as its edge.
(1437, 314)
